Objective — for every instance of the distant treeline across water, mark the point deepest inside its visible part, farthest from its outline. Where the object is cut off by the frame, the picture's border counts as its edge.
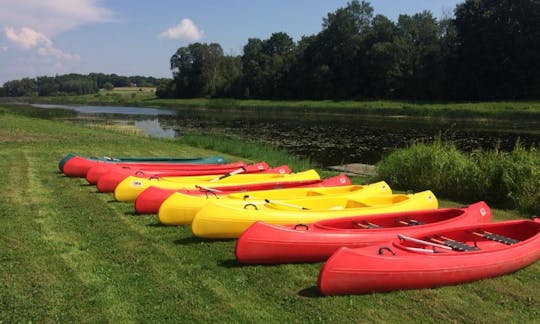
(486, 50)
(72, 84)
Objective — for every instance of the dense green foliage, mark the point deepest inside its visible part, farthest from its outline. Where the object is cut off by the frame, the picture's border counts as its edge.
(488, 50)
(71, 84)
(504, 179)
(69, 254)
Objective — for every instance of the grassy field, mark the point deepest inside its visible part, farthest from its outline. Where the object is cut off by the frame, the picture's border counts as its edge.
(70, 254)
(146, 97)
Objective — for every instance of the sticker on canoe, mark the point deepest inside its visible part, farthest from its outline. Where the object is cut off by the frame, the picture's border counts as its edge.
(136, 183)
(483, 212)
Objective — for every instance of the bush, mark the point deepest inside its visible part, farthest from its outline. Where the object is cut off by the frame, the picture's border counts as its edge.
(508, 180)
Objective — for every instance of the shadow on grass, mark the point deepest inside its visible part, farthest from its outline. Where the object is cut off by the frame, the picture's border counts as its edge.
(231, 263)
(192, 239)
(188, 240)
(158, 224)
(310, 292)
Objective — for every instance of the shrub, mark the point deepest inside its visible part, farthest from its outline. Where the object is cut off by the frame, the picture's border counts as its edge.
(508, 180)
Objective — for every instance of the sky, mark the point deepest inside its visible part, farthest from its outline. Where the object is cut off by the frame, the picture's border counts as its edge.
(127, 37)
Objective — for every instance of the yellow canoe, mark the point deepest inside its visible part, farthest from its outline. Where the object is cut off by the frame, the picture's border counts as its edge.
(179, 208)
(130, 188)
(218, 220)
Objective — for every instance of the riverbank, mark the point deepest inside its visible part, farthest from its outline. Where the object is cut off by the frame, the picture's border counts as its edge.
(502, 110)
(69, 254)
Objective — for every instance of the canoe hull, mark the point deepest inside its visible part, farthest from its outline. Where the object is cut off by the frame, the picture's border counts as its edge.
(390, 267)
(94, 174)
(149, 201)
(110, 180)
(129, 188)
(180, 209)
(262, 243)
(78, 166)
(222, 221)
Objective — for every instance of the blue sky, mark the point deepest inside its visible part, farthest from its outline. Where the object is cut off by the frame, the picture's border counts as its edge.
(48, 37)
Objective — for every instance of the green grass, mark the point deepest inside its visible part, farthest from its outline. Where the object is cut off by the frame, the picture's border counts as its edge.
(70, 254)
(504, 179)
(503, 109)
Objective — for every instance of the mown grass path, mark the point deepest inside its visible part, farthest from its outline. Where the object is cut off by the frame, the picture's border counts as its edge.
(70, 254)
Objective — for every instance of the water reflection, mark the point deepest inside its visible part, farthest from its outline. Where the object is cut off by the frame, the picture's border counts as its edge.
(327, 139)
(111, 110)
(153, 128)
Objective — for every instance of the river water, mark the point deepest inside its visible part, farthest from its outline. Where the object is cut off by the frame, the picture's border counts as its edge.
(327, 139)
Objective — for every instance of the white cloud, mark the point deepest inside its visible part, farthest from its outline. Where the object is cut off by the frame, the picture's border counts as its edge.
(186, 29)
(52, 16)
(28, 38)
(3, 48)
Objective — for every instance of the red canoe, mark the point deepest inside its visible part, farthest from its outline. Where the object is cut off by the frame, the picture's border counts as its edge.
(163, 169)
(264, 243)
(109, 181)
(77, 166)
(150, 199)
(435, 258)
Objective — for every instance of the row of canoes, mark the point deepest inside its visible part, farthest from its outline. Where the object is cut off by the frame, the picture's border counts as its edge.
(371, 239)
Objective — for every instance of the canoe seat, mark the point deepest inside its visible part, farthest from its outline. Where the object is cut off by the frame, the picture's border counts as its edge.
(367, 225)
(409, 222)
(459, 246)
(499, 238)
(455, 245)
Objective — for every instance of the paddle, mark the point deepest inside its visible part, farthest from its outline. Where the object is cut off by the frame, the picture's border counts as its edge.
(209, 190)
(237, 171)
(277, 202)
(412, 239)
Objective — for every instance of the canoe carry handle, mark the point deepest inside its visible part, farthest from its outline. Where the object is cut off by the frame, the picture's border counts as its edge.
(153, 177)
(237, 171)
(302, 226)
(252, 205)
(139, 172)
(385, 248)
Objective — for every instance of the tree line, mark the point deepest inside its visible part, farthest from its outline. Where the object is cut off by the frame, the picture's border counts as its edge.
(72, 84)
(489, 49)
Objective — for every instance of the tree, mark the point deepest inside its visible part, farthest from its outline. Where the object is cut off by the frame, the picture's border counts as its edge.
(422, 63)
(25, 87)
(336, 53)
(498, 48)
(108, 86)
(196, 69)
(266, 65)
